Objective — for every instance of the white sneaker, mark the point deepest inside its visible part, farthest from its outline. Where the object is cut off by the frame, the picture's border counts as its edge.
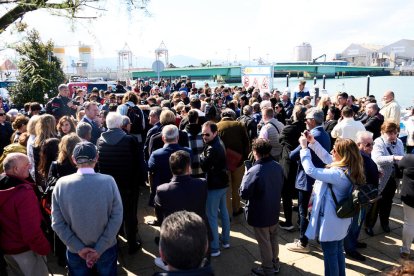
(225, 245)
(160, 263)
(215, 254)
(297, 246)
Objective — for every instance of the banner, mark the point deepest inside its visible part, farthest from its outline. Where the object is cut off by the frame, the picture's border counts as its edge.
(257, 76)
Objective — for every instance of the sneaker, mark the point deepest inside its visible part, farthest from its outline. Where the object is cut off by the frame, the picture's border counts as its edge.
(297, 246)
(160, 263)
(404, 255)
(356, 255)
(225, 245)
(215, 254)
(286, 226)
(260, 271)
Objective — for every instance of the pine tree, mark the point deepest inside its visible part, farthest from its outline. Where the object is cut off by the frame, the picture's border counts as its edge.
(40, 71)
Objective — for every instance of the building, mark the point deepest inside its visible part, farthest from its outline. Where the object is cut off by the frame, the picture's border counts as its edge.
(400, 53)
(361, 54)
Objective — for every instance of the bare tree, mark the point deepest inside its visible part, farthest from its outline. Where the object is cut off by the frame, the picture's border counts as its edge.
(13, 11)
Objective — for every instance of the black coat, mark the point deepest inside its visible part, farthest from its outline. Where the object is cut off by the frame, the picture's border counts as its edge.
(120, 156)
(6, 132)
(373, 124)
(407, 191)
(213, 163)
(182, 193)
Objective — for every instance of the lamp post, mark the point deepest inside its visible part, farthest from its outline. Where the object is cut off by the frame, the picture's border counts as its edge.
(368, 81)
(287, 80)
(323, 83)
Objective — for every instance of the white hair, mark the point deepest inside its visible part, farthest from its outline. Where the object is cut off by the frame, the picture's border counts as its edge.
(114, 120)
(170, 133)
(363, 134)
(264, 104)
(125, 120)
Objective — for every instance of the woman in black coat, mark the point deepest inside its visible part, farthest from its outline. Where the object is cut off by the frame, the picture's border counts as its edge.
(289, 139)
(407, 197)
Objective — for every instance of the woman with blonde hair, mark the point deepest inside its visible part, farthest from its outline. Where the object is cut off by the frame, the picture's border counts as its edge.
(324, 104)
(344, 170)
(31, 129)
(45, 129)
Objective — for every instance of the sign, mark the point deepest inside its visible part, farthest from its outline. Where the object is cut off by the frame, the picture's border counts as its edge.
(257, 76)
(158, 66)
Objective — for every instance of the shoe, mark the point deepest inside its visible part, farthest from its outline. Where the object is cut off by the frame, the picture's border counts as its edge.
(160, 263)
(154, 223)
(225, 245)
(132, 249)
(386, 228)
(286, 226)
(239, 212)
(404, 255)
(297, 246)
(215, 254)
(369, 231)
(356, 255)
(260, 271)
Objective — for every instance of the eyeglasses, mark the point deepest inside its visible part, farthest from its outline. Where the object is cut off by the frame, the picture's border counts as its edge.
(205, 134)
(2, 114)
(368, 145)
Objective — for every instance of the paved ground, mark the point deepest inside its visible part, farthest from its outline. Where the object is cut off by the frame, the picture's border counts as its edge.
(382, 251)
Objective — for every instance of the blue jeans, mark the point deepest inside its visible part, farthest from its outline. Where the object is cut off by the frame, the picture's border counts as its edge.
(333, 258)
(216, 200)
(351, 240)
(106, 264)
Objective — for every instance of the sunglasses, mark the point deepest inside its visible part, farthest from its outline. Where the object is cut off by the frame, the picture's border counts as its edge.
(2, 114)
(368, 145)
(205, 134)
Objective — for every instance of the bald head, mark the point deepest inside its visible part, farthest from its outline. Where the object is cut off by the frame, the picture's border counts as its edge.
(17, 165)
(388, 96)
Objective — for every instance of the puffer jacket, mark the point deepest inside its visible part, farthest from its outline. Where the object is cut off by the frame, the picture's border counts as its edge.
(120, 156)
(20, 218)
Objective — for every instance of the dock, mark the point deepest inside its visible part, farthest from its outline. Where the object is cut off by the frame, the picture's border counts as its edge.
(232, 73)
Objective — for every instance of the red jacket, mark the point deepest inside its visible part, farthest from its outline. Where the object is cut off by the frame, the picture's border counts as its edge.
(20, 218)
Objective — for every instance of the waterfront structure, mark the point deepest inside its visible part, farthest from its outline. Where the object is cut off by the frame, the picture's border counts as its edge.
(303, 52)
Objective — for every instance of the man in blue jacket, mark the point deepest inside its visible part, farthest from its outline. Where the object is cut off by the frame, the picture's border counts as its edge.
(304, 183)
(262, 187)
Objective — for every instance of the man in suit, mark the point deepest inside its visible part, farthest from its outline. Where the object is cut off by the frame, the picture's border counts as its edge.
(175, 195)
(304, 183)
(374, 120)
(91, 114)
(158, 164)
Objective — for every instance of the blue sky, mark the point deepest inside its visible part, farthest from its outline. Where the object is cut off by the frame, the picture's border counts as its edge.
(221, 29)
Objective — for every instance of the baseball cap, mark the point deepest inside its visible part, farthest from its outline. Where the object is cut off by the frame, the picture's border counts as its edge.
(315, 114)
(84, 152)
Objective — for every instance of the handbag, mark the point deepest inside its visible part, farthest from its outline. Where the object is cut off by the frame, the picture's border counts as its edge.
(233, 159)
(361, 196)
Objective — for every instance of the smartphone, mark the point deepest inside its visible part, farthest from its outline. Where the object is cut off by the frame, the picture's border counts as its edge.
(248, 164)
(306, 132)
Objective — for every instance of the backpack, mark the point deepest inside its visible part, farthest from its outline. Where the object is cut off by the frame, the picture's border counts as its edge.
(361, 196)
(136, 116)
(46, 197)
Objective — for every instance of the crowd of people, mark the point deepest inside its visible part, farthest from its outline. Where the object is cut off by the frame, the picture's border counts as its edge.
(74, 168)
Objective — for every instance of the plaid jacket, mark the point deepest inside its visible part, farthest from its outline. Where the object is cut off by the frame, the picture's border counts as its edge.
(196, 144)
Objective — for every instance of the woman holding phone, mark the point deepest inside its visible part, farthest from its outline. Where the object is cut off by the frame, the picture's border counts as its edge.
(344, 167)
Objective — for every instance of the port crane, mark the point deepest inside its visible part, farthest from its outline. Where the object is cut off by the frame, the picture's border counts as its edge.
(315, 59)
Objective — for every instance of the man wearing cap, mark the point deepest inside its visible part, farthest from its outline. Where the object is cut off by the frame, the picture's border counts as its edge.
(87, 214)
(301, 92)
(304, 183)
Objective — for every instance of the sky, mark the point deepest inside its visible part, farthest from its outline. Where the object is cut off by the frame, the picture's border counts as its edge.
(226, 29)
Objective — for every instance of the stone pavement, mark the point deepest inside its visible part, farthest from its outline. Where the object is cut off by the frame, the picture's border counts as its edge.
(382, 251)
